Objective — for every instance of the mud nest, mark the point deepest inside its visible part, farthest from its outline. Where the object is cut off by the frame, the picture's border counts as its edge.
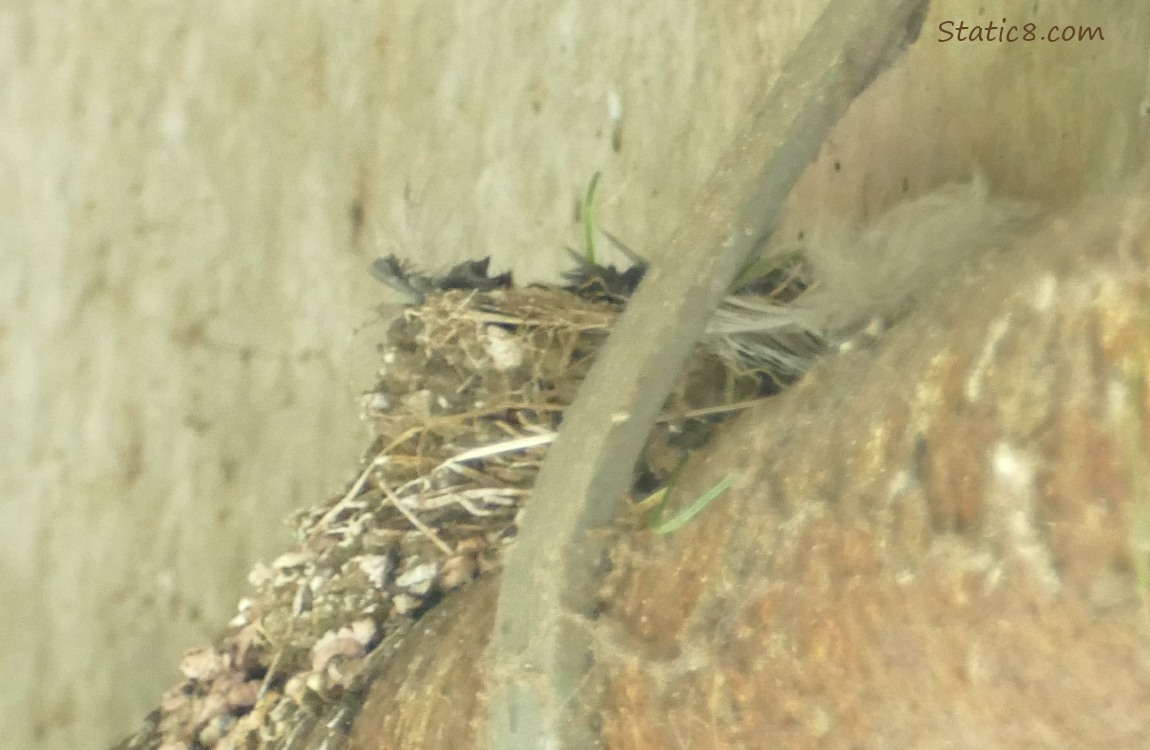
(471, 389)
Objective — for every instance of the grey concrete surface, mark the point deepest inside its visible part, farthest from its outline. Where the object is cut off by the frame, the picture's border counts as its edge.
(191, 193)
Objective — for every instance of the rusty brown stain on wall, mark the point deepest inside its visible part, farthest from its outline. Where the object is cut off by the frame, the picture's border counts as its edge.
(1014, 619)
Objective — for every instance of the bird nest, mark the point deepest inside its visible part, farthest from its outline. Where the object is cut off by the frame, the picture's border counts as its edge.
(471, 390)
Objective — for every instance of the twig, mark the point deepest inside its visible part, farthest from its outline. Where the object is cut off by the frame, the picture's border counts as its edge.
(495, 449)
(710, 411)
(345, 502)
(423, 528)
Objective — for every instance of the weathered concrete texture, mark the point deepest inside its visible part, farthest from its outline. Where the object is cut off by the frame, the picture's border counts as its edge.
(939, 540)
(192, 192)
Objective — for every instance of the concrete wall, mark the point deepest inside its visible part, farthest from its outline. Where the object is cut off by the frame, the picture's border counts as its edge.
(192, 191)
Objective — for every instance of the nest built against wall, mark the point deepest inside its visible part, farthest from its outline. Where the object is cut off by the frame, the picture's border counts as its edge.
(473, 379)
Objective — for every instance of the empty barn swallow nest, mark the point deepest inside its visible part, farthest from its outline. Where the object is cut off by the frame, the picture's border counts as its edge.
(472, 386)
(473, 381)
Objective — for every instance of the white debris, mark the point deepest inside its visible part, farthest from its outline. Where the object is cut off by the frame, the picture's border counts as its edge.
(504, 350)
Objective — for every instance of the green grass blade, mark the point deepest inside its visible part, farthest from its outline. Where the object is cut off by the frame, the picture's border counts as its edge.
(589, 217)
(676, 521)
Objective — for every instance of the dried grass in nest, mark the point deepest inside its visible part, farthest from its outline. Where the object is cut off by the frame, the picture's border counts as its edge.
(471, 389)
(470, 392)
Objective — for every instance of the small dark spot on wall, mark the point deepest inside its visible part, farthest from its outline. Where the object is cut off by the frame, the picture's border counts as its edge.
(192, 334)
(355, 215)
(801, 235)
(196, 423)
(918, 462)
(838, 165)
(906, 184)
(536, 106)
(194, 613)
(617, 139)
(776, 493)
(133, 458)
(229, 468)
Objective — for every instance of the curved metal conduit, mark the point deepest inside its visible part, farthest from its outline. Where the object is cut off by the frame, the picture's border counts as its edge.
(540, 654)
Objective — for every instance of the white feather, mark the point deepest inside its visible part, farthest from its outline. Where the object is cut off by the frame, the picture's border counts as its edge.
(859, 274)
(880, 271)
